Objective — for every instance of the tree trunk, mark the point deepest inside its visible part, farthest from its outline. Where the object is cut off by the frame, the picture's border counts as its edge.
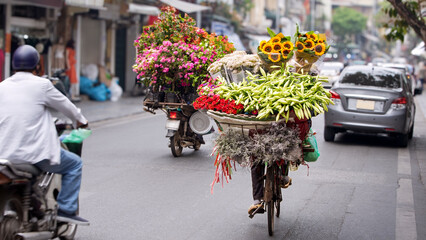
(413, 20)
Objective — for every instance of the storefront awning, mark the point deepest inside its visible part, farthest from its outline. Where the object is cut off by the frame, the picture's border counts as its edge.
(41, 3)
(143, 9)
(92, 4)
(185, 6)
(419, 50)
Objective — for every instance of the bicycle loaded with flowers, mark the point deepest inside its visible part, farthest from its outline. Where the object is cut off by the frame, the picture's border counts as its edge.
(265, 118)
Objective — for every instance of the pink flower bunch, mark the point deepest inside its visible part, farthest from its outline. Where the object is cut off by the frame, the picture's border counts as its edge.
(174, 53)
(168, 62)
(206, 88)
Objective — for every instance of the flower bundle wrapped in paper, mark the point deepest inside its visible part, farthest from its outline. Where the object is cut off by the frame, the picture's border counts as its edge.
(277, 51)
(310, 47)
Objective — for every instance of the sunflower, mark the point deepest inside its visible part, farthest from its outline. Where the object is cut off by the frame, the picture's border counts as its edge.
(312, 36)
(267, 48)
(281, 35)
(319, 49)
(274, 57)
(288, 45)
(300, 47)
(277, 47)
(262, 44)
(275, 39)
(321, 40)
(285, 53)
(309, 44)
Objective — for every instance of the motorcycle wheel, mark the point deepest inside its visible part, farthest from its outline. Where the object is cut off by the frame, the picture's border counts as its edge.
(175, 145)
(12, 212)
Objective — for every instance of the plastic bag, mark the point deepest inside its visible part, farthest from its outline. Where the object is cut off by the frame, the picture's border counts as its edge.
(312, 141)
(77, 135)
(90, 71)
(116, 91)
(99, 92)
(85, 85)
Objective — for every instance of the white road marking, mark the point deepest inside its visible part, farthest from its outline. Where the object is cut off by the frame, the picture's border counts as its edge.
(405, 216)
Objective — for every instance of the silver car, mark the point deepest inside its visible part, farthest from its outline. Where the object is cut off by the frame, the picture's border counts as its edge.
(371, 99)
(330, 70)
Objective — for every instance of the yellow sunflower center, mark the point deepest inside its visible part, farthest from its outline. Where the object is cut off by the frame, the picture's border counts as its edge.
(274, 57)
(288, 45)
(286, 52)
(262, 44)
(300, 46)
(313, 36)
(319, 49)
(309, 44)
(267, 48)
(275, 39)
(277, 46)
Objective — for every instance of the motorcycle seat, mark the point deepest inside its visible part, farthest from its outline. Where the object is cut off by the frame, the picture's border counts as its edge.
(29, 168)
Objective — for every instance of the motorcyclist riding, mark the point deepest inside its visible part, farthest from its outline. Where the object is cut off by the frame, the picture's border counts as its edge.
(27, 132)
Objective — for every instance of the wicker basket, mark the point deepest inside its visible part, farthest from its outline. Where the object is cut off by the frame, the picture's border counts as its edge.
(249, 124)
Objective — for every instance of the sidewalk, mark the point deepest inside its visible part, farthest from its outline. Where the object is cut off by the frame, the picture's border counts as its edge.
(96, 111)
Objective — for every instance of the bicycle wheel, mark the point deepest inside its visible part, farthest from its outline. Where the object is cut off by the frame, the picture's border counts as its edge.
(270, 198)
(278, 194)
(270, 209)
(278, 208)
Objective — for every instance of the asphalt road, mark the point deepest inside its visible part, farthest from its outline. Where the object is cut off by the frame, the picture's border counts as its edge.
(361, 187)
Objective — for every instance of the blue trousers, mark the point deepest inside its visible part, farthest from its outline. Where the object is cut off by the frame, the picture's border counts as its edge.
(70, 168)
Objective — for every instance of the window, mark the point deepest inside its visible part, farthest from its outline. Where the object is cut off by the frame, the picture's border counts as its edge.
(376, 78)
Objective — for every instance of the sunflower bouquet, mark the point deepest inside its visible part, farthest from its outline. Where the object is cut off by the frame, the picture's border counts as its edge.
(277, 51)
(310, 47)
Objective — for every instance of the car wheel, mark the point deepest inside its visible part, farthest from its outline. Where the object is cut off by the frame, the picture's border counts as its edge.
(402, 140)
(329, 134)
(410, 133)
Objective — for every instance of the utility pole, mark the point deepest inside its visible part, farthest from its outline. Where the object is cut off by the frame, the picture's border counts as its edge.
(277, 17)
(312, 5)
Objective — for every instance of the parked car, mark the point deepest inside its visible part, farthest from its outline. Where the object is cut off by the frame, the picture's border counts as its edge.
(415, 84)
(331, 70)
(371, 99)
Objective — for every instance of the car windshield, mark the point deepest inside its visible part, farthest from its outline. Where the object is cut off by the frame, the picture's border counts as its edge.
(377, 78)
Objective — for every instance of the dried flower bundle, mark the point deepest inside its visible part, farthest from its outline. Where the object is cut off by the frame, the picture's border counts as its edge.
(235, 61)
(277, 142)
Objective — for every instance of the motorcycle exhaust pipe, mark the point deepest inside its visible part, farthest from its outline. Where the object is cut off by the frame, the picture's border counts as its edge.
(34, 235)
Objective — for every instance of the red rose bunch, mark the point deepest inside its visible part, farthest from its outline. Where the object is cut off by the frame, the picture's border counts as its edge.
(218, 104)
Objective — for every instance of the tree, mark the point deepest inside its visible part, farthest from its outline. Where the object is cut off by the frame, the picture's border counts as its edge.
(405, 15)
(347, 22)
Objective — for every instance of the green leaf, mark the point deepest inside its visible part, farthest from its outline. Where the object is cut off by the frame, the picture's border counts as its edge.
(271, 33)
